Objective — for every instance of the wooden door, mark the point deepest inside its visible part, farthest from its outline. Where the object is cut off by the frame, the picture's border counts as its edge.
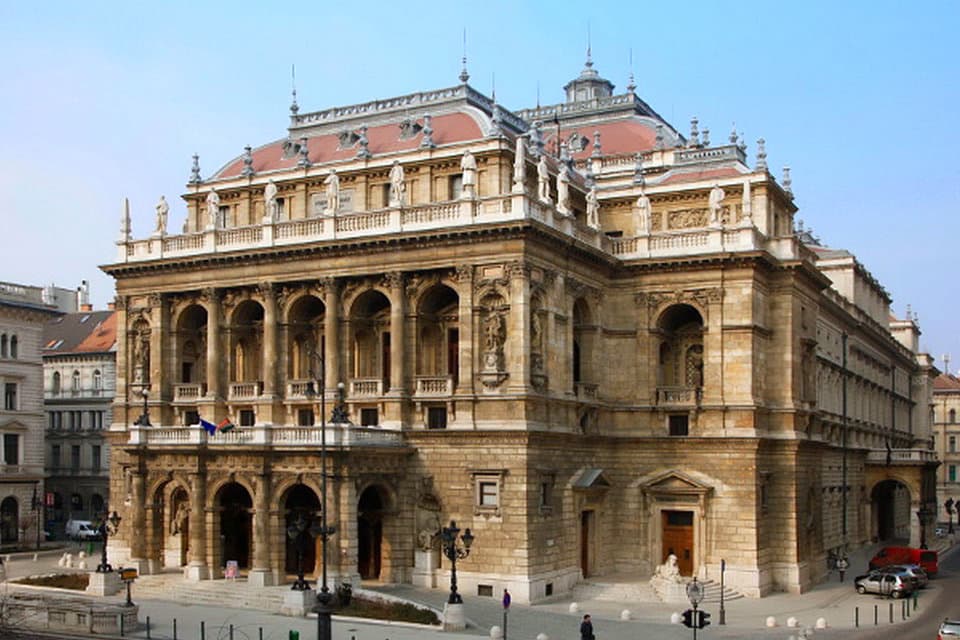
(677, 536)
(586, 521)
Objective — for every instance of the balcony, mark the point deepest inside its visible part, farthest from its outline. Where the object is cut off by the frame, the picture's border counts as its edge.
(366, 387)
(245, 390)
(189, 392)
(678, 396)
(434, 386)
(297, 389)
(909, 457)
(275, 436)
(586, 391)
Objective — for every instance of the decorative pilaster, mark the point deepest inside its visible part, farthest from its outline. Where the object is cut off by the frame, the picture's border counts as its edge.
(331, 331)
(464, 278)
(268, 294)
(138, 523)
(518, 326)
(260, 574)
(212, 302)
(197, 567)
(398, 383)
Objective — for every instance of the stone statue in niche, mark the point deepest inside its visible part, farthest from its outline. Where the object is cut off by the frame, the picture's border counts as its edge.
(493, 337)
(563, 189)
(642, 214)
(270, 210)
(398, 189)
(141, 357)
(213, 209)
(468, 167)
(179, 518)
(593, 209)
(715, 203)
(543, 180)
(428, 530)
(332, 183)
(519, 166)
(163, 210)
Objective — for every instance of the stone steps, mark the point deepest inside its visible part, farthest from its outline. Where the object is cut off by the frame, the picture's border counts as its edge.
(712, 592)
(222, 593)
(616, 591)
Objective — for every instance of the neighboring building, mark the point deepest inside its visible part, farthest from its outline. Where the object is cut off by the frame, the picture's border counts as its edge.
(79, 362)
(591, 353)
(946, 429)
(23, 312)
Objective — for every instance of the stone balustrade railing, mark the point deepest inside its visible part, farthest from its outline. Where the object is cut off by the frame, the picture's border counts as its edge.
(366, 387)
(586, 391)
(338, 435)
(297, 389)
(245, 390)
(434, 386)
(189, 392)
(901, 456)
(678, 396)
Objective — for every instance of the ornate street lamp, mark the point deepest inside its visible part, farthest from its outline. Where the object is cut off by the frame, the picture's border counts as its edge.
(300, 534)
(339, 415)
(695, 593)
(948, 505)
(109, 524)
(144, 419)
(455, 547)
(923, 515)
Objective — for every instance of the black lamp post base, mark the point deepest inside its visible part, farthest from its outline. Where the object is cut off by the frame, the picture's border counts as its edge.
(324, 613)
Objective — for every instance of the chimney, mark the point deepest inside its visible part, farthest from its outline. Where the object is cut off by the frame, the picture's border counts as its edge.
(86, 307)
(111, 306)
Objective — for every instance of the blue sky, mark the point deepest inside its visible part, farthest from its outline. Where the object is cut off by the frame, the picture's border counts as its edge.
(102, 101)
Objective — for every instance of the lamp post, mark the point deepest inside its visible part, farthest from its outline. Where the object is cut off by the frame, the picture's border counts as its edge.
(299, 533)
(695, 593)
(109, 524)
(923, 515)
(35, 504)
(455, 547)
(339, 415)
(948, 505)
(144, 419)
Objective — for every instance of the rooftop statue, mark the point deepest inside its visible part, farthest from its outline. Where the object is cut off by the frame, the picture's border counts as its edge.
(332, 182)
(543, 179)
(163, 210)
(398, 189)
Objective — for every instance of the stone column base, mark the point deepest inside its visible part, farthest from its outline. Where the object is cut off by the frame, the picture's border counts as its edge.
(298, 603)
(454, 617)
(260, 578)
(424, 570)
(196, 572)
(104, 584)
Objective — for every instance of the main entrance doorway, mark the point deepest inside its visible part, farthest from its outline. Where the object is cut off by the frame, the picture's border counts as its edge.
(677, 535)
(235, 524)
(370, 512)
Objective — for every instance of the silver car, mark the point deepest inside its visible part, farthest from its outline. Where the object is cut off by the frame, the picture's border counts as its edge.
(949, 629)
(895, 585)
(915, 571)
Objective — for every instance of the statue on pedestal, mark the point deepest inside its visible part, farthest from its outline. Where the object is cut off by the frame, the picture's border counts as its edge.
(642, 214)
(668, 571)
(543, 180)
(468, 166)
(398, 189)
(332, 183)
(163, 209)
(715, 203)
(593, 209)
(213, 209)
(270, 208)
(563, 189)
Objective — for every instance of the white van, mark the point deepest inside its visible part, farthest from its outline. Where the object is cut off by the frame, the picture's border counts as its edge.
(81, 530)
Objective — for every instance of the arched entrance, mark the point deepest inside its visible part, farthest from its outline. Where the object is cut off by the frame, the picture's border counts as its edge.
(234, 505)
(370, 513)
(9, 520)
(890, 500)
(300, 502)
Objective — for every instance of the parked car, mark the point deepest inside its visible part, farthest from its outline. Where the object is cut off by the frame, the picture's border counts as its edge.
(948, 629)
(895, 585)
(81, 530)
(926, 558)
(915, 571)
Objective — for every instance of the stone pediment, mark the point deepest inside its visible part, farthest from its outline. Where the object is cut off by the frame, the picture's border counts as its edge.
(590, 479)
(674, 483)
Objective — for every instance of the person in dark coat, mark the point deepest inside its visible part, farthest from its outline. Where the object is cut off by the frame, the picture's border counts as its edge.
(586, 629)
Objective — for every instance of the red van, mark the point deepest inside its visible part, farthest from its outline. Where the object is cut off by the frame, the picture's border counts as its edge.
(927, 559)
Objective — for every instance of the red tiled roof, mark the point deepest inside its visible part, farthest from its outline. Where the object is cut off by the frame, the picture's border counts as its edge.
(695, 176)
(102, 338)
(946, 382)
(449, 128)
(623, 136)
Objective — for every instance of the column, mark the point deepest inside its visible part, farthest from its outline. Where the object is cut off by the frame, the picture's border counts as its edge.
(137, 532)
(344, 549)
(160, 344)
(398, 383)
(260, 574)
(213, 342)
(197, 567)
(122, 366)
(331, 333)
(517, 345)
(465, 321)
(269, 366)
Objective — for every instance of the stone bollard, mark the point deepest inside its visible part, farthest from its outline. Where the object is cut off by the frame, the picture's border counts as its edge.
(821, 623)
(771, 622)
(69, 561)
(574, 607)
(82, 563)
(675, 618)
(62, 562)
(792, 622)
(35, 556)
(626, 615)
(496, 633)
(542, 636)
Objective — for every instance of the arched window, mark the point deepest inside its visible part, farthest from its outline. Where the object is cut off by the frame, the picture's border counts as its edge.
(75, 385)
(55, 383)
(14, 347)
(3, 346)
(97, 380)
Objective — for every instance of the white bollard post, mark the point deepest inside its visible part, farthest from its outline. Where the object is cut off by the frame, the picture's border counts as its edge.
(771, 622)
(792, 622)
(574, 607)
(821, 623)
(625, 614)
(675, 618)
(542, 636)
(496, 633)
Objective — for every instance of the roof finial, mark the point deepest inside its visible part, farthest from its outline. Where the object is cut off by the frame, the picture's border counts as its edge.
(694, 133)
(427, 141)
(589, 62)
(464, 76)
(195, 170)
(304, 160)
(538, 94)
(761, 155)
(946, 363)
(631, 86)
(247, 162)
(733, 134)
(787, 182)
(706, 137)
(493, 86)
(294, 107)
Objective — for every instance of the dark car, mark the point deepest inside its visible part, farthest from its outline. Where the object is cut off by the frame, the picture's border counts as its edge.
(895, 585)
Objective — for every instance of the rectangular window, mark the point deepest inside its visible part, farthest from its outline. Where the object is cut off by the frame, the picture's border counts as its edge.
(455, 188)
(58, 420)
(953, 444)
(436, 417)
(75, 457)
(191, 418)
(385, 197)
(10, 396)
(95, 457)
(369, 417)
(55, 457)
(679, 425)
(247, 418)
(488, 493)
(952, 475)
(11, 448)
(305, 417)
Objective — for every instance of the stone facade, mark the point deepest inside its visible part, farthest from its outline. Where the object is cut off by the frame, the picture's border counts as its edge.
(23, 313)
(946, 429)
(605, 343)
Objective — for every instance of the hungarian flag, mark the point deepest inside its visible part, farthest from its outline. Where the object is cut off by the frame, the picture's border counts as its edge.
(225, 425)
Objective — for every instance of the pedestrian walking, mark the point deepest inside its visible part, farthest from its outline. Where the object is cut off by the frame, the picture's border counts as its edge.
(586, 629)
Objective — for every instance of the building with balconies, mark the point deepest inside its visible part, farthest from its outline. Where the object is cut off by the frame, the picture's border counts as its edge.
(79, 363)
(23, 313)
(594, 341)
(946, 429)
